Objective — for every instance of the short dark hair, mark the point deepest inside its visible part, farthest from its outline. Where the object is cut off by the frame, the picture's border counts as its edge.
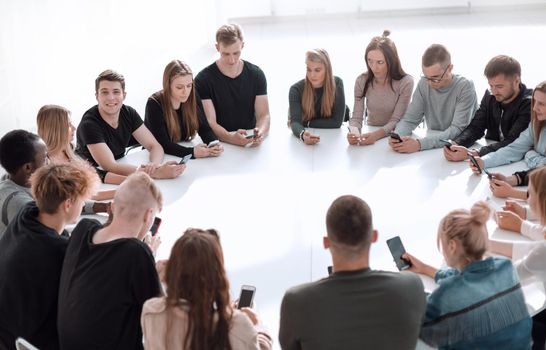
(349, 222)
(436, 53)
(110, 75)
(17, 148)
(502, 64)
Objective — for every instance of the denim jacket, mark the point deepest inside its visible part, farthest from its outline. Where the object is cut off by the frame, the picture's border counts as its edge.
(479, 307)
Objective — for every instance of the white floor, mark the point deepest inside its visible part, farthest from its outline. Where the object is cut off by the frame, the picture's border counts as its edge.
(269, 203)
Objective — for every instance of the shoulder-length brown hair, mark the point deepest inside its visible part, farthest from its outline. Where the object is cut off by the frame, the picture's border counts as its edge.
(53, 125)
(195, 272)
(537, 124)
(394, 67)
(174, 69)
(329, 88)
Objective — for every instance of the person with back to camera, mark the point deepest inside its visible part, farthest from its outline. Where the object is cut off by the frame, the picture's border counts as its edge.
(234, 92)
(196, 312)
(21, 154)
(503, 114)
(355, 307)
(57, 131)
(318, 101)
(529, 257)
(109, 272)
(445, 101)
(176, 114)
(109, 127)
(531, 143)
(479, 303)
(382, 93)
(33, 248)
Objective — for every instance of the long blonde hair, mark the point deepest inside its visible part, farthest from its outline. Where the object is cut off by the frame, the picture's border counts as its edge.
(53, 125)
(329, 86)
(174, 69)
(468, 228)
(537, 180)
(537, 124)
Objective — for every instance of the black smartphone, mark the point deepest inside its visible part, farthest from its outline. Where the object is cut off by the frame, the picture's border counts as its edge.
(185, 159)
(246, 297)
(155, 226)
(397, 250)
(447, 143)
(475, 162)
(395, 136)
(330, 269)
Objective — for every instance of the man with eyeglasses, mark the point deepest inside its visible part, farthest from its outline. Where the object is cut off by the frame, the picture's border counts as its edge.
(505, 111)
(445, 101)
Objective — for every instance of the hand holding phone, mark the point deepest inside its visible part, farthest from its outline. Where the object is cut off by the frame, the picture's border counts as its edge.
(246, 298)
(185, 159)
(477, 165)
(447, 143)
(397, 250)
(249, 136)
(395, 136)
(155, 226)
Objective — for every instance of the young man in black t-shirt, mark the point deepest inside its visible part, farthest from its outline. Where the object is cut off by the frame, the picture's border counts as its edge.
(109, 272)
(108, 128)
(234, 92)
(33, 249)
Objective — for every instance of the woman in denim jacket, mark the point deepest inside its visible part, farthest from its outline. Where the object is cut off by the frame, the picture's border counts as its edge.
(479, 303)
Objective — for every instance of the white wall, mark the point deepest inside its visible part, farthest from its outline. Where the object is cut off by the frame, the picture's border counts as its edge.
(52, 50)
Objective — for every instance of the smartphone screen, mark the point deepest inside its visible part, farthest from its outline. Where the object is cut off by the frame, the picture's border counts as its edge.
(185, 159)
(246, 297)
(155, 226)
(397, 250)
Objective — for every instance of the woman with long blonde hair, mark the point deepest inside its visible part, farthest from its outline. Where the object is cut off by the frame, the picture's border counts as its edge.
(176, 114)
(57, 131)
(318, 101)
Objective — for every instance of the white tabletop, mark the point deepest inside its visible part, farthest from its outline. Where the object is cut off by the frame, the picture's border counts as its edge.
(269, 204)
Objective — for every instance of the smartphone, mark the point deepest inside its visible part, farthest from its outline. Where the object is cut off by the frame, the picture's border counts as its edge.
(475, 162)
(185, 159)
(397, 250)
(330, 270)
(353, 130)
(396, 136)
(249, 136)
(213, 143)
(246, 298)
(447, 143)
(22, 344)
(155, 226)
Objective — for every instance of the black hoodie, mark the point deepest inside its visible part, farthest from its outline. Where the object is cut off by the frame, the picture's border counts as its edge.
(31, 258)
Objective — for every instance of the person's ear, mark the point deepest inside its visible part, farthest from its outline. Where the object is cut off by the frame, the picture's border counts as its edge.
(242, 45)
(217, 47)
(452, 246)
(124, 95)
(375, 234)
(325, 242)
(96, 96)
(146, 222)
(450, 68)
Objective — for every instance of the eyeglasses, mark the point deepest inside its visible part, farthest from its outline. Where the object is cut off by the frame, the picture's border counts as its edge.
(435, 80)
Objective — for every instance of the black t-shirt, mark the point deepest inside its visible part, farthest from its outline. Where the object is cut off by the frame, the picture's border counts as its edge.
(93, 129)
(155, 121)
(233, 98)
(102, 290)
(31, 259)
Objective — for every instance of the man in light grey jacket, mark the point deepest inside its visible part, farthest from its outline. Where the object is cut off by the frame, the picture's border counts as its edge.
(445, 100)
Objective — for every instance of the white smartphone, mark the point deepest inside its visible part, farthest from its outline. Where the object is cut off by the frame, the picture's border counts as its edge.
(213, 143)
(246, 298)
(22, 344)
(354, 130)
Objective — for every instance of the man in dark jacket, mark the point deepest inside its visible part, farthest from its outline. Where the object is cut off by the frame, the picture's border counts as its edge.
(504, 111)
